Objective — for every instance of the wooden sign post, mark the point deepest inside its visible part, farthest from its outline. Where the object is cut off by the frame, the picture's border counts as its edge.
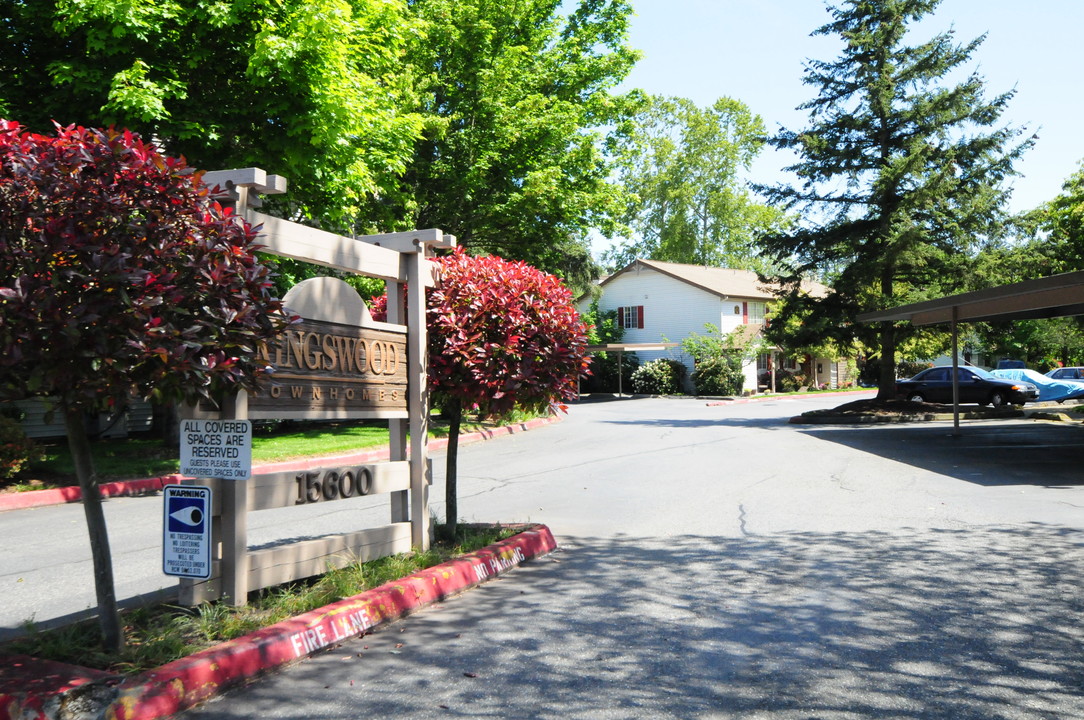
(336, 364)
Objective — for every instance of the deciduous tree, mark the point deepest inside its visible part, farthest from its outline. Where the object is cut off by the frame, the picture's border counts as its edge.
(502, 335)
(684, 169)
(310, 89)
(119, 276)
(518, 99)
(900, 172)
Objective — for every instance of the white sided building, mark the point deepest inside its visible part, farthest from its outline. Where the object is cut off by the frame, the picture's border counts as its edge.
(667, 302)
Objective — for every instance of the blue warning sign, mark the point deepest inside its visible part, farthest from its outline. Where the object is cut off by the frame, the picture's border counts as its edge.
(186, 536)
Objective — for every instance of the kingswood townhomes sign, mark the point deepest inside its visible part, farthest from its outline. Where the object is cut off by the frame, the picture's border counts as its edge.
(332, 369)
(324, 365)
(337, 363)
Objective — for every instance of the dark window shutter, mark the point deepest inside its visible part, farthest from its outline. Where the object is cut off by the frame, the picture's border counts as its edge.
(640, 316)
(745, 313)
(620, 317)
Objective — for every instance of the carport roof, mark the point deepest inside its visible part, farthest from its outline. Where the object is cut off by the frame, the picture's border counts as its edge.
(1053, 296)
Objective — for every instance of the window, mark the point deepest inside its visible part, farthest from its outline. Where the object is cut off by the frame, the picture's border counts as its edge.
(630, 317)
(756, 313)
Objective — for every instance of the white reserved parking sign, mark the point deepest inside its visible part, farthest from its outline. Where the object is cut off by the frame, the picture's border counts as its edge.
(216, 449)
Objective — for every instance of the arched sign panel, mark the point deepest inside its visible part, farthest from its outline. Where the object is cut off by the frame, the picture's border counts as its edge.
(336, 363)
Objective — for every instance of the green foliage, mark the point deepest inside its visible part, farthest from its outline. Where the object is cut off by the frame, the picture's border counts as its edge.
(16, 449)
(659, 377)
(910, 368)
(715, 344)
(313, 90)
(720, 375)
(899, 172)
(603, 377)
(518, 100)
(683, 168)
(603, 329)
(163, 633)
(789, 381)
(1040, 343)
(718, 359)
(1058, 228)
(487, 120)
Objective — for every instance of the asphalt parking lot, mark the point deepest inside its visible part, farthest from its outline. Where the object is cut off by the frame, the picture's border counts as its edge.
(718, 562)
(1031, 452)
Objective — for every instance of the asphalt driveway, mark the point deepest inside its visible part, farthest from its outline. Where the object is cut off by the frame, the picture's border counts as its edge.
(717, 562)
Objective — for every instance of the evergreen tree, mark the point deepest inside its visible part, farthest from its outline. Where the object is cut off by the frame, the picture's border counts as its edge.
(901, 174)
(1057, 244)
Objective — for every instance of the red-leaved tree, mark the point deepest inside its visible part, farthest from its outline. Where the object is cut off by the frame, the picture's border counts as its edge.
(120, 276)
(502, 335)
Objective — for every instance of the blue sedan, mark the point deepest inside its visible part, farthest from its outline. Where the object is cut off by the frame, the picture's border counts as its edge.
(976, 386)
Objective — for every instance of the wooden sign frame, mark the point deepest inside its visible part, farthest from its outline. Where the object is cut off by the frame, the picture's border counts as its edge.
(400, 259)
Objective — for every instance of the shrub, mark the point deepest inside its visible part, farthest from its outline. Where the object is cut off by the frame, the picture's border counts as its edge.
(790, 382)
(16, 449)
(659, 377)
(502, 335)
(720, 375)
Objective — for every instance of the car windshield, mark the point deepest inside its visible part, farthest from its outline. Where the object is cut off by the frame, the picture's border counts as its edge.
(982, 373)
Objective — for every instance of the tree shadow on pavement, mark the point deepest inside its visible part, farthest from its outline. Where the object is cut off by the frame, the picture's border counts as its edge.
(961, 624)
(986, 453)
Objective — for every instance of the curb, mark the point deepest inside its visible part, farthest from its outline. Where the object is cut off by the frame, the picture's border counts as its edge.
(148, 486)
(881, 420)
(779, 396)
(179, 685)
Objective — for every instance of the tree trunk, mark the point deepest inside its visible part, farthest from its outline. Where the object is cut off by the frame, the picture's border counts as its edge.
(886, 385)
(454, 411)
(108, 615)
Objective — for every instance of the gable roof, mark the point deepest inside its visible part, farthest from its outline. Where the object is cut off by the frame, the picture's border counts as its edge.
(724, 282)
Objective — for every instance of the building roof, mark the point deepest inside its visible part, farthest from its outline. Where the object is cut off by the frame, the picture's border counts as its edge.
(1053, 296)
(724, 282)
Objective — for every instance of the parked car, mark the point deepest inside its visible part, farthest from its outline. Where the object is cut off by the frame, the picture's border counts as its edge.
(976, 386)
(1050, 389)
(1067, 373)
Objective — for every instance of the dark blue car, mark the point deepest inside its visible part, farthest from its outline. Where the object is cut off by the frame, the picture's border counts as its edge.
(976, 386)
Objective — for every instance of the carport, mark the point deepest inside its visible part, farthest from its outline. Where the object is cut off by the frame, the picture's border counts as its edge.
(622, 348)
(1053, 296)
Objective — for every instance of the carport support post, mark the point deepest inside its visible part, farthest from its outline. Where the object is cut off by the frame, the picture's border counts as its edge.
(620, 367)
(955, 373)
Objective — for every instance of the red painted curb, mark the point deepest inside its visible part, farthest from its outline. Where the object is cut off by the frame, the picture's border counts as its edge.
(183, 683)
(29, 687)
(128, 488)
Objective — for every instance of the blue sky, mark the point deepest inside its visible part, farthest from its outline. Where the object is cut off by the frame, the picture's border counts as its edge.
(753, 50)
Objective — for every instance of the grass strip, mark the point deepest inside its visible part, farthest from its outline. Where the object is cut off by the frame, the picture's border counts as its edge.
(141, 457)
(156, 635)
